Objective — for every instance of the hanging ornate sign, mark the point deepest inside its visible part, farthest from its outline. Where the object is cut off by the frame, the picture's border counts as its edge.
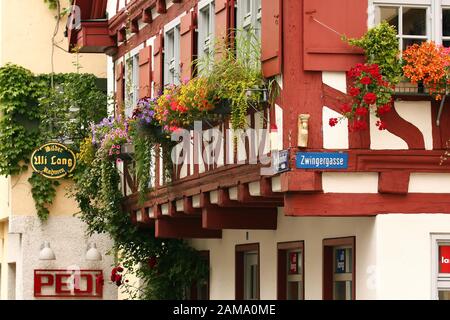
(53, 160)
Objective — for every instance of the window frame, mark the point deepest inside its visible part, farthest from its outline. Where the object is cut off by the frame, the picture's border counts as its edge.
(249, 19)
(205, 45)
(282, 249)
(240, 250)
(171, 69)
(132, 97)
(434, 16)
(436, 277)
(328, 247)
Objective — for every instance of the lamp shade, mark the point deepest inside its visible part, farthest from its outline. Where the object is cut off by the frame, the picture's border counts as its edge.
(93, 254)
(46, 252)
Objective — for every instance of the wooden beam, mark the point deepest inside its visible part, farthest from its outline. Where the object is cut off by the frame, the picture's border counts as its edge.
(363, 204)
(225, 202)
(188, 208)
(134, 26)
(161, 6)
(184, 228)
(396, 182)
(301, 181)
(147, 15)
(244, 196)
(239, 218)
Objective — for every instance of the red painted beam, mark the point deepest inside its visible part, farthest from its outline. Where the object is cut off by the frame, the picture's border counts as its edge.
(301, 181)
(393, 182)
(239, 218)
(244, 196)
(356, 204)
(184, 228)
(225, 201)
(188, 208)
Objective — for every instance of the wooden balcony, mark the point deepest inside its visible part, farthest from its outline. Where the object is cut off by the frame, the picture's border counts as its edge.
(92, 37)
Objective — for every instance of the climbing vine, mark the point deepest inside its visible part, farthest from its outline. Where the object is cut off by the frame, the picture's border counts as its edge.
(33, 112)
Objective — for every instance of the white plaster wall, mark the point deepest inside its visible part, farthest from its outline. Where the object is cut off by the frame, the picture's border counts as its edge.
(68, 239)
(334, 137)
(429, 182)
(336, 80)
(418, 113)
(404, 254)
(312, 231)
(351, 182)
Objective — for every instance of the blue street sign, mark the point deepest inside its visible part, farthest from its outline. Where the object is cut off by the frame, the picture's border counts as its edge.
(321, 160)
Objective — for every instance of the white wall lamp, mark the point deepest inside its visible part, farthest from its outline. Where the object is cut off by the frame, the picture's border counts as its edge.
(92, 254)
(46, 252)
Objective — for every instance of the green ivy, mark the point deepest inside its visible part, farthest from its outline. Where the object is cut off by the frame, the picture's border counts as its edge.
(381, 47)
(33, 112)
(43, 192)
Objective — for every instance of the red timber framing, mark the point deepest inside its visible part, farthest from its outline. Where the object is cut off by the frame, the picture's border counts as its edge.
(293, 31)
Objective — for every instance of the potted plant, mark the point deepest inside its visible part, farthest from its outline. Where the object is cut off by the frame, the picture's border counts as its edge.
(428, 64)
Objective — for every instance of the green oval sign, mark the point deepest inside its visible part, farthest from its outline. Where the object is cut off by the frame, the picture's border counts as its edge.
(53, 160)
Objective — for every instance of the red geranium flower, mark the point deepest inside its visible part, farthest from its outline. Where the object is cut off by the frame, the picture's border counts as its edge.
(366, 80)
(370, 98)
(361, 111)
(354, 91)
(381, 125)
(332, 122)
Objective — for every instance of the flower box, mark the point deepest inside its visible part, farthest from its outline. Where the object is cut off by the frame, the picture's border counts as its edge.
(405, 87)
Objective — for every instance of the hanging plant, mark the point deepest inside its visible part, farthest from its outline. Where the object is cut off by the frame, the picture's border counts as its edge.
(428, 63)
(370, 94)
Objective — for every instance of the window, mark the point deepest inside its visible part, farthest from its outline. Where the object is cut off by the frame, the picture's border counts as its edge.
(416, 21)
(441, 267)
(172, 56)
(206, 29)
(446, 27)
(249, 16)
(411, 23)
(131, 83)
(291, 271)
(247, 272)
(339, 269)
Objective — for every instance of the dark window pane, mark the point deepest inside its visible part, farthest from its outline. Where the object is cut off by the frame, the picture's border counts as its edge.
(446, 22)
(390, 14)
(446, 43)
(414, 21)
(409, 42)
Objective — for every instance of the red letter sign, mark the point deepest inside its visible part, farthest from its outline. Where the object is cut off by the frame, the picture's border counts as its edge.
(444, 259)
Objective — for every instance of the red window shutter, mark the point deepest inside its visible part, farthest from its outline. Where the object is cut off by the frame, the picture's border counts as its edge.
(224, 21)
(145, 72)
(120, 90)
(159, 62)
(323, 48)
(187, 32)
(271, 37)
